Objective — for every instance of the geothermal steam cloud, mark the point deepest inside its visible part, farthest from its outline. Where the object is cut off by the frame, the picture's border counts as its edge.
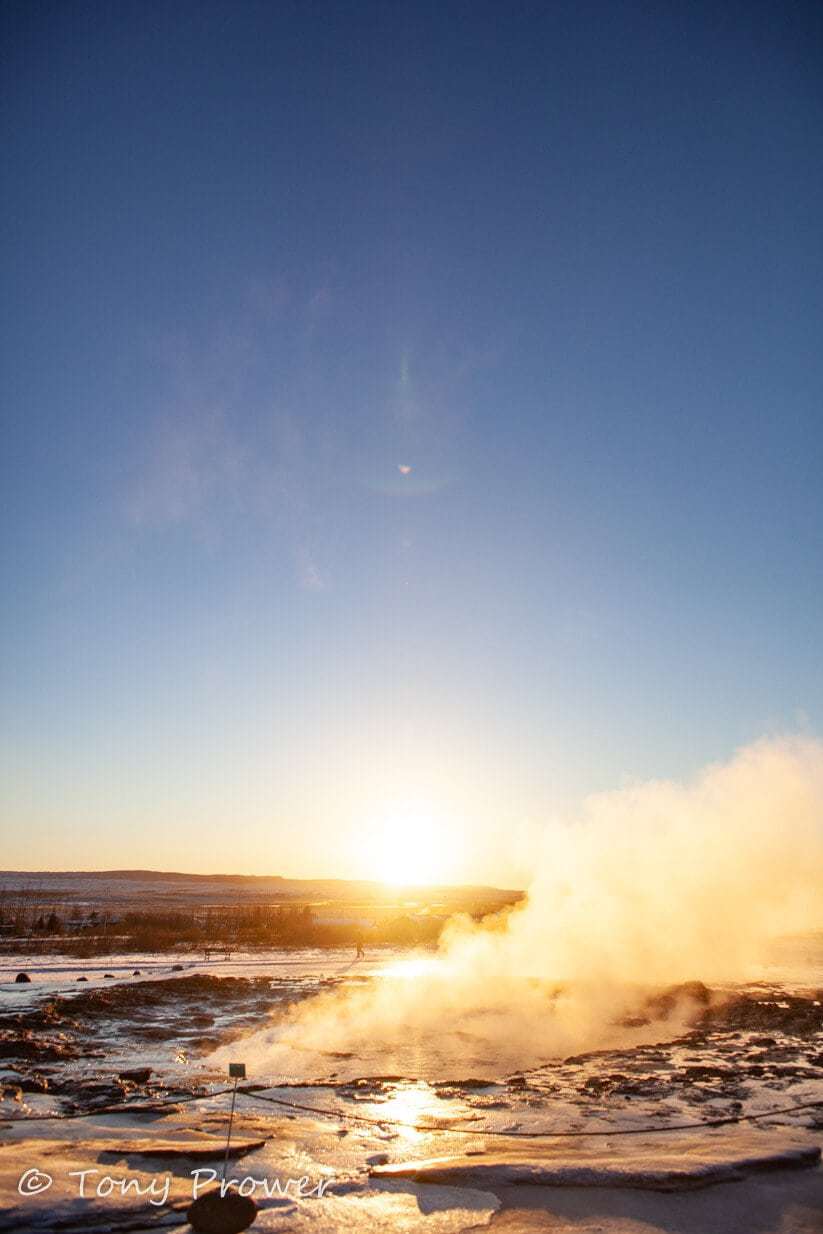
(652, 885)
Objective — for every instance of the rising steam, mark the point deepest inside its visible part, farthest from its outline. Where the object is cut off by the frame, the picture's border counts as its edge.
(653, 885)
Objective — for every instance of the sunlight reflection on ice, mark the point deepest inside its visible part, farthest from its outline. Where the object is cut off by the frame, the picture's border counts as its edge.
(410, 1104)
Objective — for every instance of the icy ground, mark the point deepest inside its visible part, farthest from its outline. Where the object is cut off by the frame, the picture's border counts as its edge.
(409, 1147)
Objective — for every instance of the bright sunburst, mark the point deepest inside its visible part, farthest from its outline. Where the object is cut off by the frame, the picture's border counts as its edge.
(412, 844)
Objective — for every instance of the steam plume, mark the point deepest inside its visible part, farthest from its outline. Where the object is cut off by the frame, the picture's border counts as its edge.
(653, 885)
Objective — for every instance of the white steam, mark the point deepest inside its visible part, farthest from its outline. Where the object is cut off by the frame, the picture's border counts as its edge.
(654, 885)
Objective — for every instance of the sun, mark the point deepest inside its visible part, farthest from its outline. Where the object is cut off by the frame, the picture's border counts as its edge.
(411, 845)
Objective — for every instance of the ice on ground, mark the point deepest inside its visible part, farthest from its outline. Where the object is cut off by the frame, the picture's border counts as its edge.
(374, 1115)
(698, 1164)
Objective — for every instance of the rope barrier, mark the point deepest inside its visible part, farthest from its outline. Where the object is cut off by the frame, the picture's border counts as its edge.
(144, 1107)
(345, 1115)
(348, 1116)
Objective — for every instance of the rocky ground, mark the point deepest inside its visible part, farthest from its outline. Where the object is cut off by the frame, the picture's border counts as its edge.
(408, 1152)
(77, 1047)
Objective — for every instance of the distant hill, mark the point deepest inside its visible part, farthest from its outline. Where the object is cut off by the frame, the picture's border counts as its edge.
(151, 889)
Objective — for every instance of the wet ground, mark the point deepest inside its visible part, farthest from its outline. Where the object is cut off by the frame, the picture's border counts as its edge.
(690, 1054)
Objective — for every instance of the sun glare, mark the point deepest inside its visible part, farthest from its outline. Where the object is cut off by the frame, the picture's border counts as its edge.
(412, 845)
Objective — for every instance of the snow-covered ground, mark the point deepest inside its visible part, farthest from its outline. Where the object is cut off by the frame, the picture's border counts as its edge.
(53, 973)
(401, 1098)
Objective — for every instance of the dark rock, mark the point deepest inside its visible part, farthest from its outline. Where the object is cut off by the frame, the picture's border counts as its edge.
(214, 1213)
(108, 976)
(137, 1075)
(202, 1019)
(102, 1093)
(23, 979)
(82, 978)
(706, 1072)
(34, 1084)
(178, 968)
(471, 1082)
(25, 1046)
(663, 1004)
(784, 1013)
(136, 973)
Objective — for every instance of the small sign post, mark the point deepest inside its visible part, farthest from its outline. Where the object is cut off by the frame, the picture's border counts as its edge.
(237, 1071)
(222, 1211)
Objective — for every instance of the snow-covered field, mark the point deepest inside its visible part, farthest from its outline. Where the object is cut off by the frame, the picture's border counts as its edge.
(54, 973)
(364, 1104)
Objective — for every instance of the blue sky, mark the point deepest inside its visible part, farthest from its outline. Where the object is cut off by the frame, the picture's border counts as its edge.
(561, 263)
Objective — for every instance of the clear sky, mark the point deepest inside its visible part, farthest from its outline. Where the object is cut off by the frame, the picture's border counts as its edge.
(412, 420)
